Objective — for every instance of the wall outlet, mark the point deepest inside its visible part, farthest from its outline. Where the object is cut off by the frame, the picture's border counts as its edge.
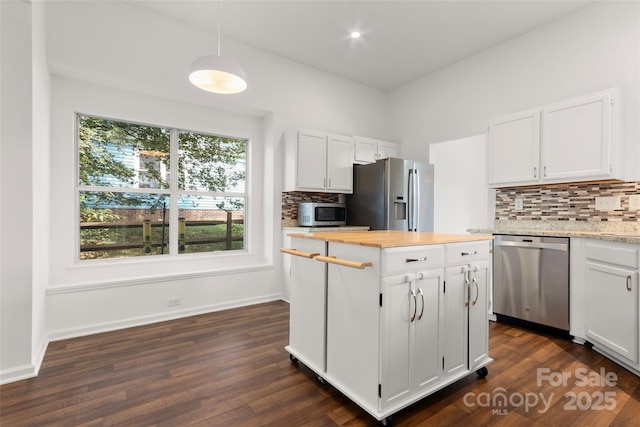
(634, 202)
(519, 204)
(172, 302)
(609, 203)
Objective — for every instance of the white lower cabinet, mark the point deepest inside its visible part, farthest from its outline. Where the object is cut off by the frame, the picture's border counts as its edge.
(410, 335)
(466, 309)
(611, 311)
(605, 300)
(478, 311)
(395, 332)
(307, 328)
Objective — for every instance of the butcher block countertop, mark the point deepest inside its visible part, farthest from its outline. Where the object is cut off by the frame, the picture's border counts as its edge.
(391, 238)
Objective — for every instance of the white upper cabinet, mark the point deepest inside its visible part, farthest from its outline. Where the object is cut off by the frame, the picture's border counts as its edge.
(319, 162)
(339, 164)
(577, 139)
(572, 140)
(514, 147)
(368, 150)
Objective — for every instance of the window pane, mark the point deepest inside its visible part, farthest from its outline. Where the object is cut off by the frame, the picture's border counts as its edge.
(211, 163)
(209, 224)
(117, 225)
(120, 154)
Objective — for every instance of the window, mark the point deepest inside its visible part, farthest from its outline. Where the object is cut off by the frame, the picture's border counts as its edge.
(131, 204)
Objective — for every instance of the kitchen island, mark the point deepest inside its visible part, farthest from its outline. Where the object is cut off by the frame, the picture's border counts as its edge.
(389, 317)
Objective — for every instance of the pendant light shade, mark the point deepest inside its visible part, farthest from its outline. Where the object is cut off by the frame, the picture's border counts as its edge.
(218, 74)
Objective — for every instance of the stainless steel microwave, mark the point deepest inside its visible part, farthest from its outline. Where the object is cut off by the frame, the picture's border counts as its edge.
(321, 214)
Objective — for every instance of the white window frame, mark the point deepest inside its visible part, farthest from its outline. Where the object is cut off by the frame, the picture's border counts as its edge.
(174, 192)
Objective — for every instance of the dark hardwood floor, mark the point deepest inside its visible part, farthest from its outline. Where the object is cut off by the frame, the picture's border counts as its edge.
(230, 368)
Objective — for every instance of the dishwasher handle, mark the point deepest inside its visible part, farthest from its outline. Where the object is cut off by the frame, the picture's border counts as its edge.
(533, 245)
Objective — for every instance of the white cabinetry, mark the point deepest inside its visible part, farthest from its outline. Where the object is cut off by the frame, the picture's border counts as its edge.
(317, 161)
(410, 319)
(572, 140)
(612, 299)
(577, 140)
(368, 150)
(466, 306)
(394, 332)
(514, 148)
(308, 304)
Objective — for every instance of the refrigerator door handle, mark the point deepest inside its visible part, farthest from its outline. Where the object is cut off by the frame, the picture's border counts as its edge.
(414, 200)
(411, 201)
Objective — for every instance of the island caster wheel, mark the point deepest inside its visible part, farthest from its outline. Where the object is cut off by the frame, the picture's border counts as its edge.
(320, 379)
(387, 422)
(482, 372)
(293, 359)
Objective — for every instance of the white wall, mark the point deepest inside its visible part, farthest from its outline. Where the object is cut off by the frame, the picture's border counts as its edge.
(41, 181)
(593, 49)
(116, 60)
(16, 180)
(461, 197)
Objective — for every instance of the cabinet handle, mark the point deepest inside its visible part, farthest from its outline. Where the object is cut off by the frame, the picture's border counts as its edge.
(466, 281)
(292, 251)
(629, 283)
(468, 253)
(415, 305)
(344, 262)
(544, 171)
(424, 258)
(422, 299)
(535, 171)
(329, 183)
(475, 282)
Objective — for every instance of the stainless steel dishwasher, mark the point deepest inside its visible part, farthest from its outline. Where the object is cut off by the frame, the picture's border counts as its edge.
(531, 279)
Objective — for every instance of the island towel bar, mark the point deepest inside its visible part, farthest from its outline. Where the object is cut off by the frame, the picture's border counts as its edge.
(344, 262)
(292, 251)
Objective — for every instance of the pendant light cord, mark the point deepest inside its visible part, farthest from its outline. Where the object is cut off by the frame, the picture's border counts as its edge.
(219, 12)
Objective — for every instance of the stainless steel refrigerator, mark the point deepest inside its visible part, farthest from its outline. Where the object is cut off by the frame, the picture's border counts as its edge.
(392, 194)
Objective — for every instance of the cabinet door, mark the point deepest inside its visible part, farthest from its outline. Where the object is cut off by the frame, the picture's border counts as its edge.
(455, 321)
(387, 149)
(612, 309)
(307, 308)
(311, 161)
(427, 362)
(478, 315)
(365, 150)
(576, 138)
(514, 149)
(398, 306)
(339, 164)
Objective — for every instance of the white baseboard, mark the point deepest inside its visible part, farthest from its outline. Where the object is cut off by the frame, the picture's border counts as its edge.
(155, 318)
(25, 371)
(18, 373)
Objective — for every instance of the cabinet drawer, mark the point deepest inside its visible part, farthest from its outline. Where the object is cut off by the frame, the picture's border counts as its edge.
(618, 254)
(464, 253)
(411, 258)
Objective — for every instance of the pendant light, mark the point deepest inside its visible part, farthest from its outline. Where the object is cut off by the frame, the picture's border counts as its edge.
(218, 74)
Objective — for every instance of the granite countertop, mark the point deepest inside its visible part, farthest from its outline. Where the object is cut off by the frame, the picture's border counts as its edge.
(615, 232)
(391, 238)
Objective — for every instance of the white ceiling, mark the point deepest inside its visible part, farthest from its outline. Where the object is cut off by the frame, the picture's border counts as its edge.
(401, 40)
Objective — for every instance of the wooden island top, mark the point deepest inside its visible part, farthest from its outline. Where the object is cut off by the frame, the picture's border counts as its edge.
(391, 238)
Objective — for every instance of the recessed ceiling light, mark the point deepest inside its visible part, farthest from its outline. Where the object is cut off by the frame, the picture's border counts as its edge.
(355, 34)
